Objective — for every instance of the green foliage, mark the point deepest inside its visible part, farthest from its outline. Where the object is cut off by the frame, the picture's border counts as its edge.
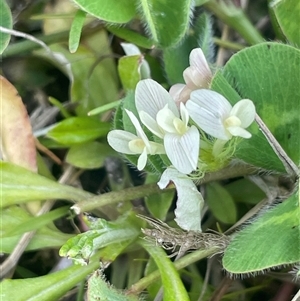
(98, 288)
(272, 239)
(103, 233)
(77, 130)
(221, 204)
(91, 71)
(20, 185)
(49, 287)
(16, 221)
(85, 74)
(5, 21)
(157, 15)
(279, 96)
(88, 155)
(287, 13)
(131, 36)
(176, 59)
(128, 69)
(75, 32)
(173, 286)
(158, 204)
(111, 11)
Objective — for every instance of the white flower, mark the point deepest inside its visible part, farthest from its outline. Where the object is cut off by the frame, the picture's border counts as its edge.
(189, 200)
(214, 114)
(197, 76)
(159, 113)
(128, 143)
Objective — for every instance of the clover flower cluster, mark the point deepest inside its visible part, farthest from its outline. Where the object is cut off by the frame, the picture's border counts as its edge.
(167, 116)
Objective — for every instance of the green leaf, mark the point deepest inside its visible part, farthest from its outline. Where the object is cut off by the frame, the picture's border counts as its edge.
(200, 2)
(99, 289)
(16, 221)
(131, 36)
(129, 104)
(221, 203)
(5, 21)
(102, 234)
(77, 130)
(287, 13)
(176, 59)
(49, 287)
(155, 286)
(271, 82)
(37, 222)
(245, 191)
(114, 11)
(158, 204)
(18, 185)
(166, 20)
(75, 31)
(270, 240)
(88, 155)
(92, 72)
(172, 284)
(128, 68)
(204, 33)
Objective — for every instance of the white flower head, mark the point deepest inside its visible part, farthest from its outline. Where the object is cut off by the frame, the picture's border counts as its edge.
(197, 76)
(130, 144)
(213, 113)
(159, 113)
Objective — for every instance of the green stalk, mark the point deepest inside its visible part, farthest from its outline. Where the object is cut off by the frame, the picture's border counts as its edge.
(236, 19)
(132, 193)
(113, 197)
(228, 44)
(181, 263)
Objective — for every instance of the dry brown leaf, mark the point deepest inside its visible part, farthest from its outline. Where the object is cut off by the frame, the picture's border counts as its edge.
(17, 141)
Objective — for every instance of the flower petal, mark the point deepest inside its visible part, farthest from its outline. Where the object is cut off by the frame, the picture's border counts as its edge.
(151, 124)
(140, 132)
(198, 59)
(165, 118)
(207, 121)
(198, 75)
(156, 148)
(183, 151)
(119, 141)
(184, 114)
(175, 90)
(136, 145)
(142, 160)
(238, 131)
(130, 49)
(190, 201)
(212, 101)
(152, 97)
(245, 111)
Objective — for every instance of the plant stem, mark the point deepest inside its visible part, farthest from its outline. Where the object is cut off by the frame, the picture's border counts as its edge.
(113, 197)
(236, 19)
(228, 45)
(183, 262)
(28, 45)
(132, 193)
